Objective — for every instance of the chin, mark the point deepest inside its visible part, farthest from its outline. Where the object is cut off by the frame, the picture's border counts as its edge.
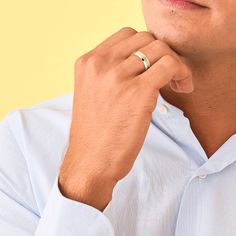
(175, 39)
(186, 32)
(182, 41)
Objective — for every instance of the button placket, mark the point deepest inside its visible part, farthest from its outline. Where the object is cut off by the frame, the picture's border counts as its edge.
(189, 208)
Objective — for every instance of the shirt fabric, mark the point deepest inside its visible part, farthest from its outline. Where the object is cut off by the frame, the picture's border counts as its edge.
(173, 189)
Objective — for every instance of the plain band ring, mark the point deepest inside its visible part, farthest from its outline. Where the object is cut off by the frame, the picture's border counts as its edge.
(144, 59)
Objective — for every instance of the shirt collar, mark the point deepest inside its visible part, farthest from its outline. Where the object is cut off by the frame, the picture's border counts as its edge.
(167, 108)
(171, 119)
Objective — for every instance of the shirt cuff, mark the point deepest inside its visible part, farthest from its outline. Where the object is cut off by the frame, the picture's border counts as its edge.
(63, 216)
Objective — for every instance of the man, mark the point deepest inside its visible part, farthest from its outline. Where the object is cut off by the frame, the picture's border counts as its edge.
(148, 144)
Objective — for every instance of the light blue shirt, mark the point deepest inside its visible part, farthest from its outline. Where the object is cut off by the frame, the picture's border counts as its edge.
(173, 189)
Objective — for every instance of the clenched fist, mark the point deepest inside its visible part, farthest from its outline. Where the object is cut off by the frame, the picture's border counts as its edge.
(114, 98)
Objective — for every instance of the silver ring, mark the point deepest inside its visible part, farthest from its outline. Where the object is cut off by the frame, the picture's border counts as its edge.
(144, 59)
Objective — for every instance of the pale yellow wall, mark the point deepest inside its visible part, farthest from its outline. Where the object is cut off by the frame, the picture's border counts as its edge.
(40, 41)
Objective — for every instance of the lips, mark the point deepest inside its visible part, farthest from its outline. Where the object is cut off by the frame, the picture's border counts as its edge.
(184, 4)
(194, 2)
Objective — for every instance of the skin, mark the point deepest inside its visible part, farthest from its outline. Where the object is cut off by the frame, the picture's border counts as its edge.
(112, 110)
(114, 98)
(206, 40)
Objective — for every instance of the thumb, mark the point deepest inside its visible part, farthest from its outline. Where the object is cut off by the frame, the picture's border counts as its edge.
(166, 70)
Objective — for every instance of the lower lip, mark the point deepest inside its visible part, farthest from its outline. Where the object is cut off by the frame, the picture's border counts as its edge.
(181, 4)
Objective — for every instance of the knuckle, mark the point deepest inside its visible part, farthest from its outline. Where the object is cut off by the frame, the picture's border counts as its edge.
(94, 64)
(102, 53)
(81, 61)
(116, 74)
(170, 66)
(170, 62)
(160, 45)
(146, 35)
(110, 55)
(95, 60)
(129, 30)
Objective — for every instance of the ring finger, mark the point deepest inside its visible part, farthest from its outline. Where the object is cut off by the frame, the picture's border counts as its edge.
(133, 65)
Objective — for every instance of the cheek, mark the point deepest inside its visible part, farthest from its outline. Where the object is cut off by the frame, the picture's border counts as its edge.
(224, 23)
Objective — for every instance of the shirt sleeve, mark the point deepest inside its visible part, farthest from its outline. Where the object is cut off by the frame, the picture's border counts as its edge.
(19, 214)
(63, 216)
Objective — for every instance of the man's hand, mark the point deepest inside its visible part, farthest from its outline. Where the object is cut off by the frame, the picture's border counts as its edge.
(114, 98)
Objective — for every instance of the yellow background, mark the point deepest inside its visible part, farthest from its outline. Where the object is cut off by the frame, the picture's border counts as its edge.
(40, 41)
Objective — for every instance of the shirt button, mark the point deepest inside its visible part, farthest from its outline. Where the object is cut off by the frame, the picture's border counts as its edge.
(162, 108)
(202, 176)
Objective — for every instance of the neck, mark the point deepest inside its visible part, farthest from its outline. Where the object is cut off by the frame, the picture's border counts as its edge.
(211, 107)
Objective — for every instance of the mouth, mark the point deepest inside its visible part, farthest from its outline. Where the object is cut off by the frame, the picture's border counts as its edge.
(196, 3)
(184, 4)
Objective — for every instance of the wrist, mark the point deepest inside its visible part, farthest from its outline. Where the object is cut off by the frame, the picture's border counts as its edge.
(95, 192)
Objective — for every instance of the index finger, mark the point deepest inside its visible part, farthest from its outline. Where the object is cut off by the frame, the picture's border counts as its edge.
(115, 38)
